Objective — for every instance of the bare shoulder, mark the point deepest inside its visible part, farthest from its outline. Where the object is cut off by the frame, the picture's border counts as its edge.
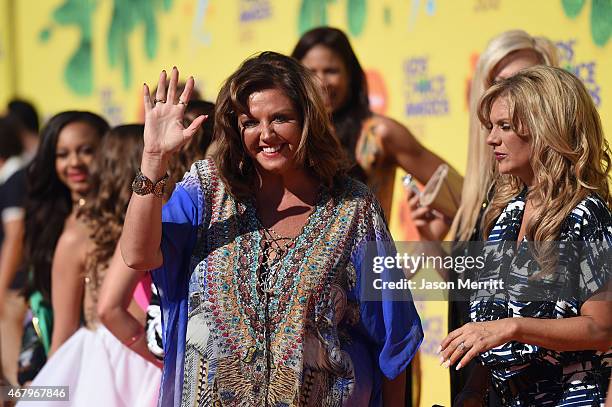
(74, 242)
(75, 232)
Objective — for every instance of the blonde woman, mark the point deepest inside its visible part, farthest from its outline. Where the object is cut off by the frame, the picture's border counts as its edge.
(504, 56)
(553, 166)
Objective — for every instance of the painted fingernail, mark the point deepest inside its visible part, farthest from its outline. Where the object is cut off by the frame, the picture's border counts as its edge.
(174, 68)
(441, 359)
(439, 349)
(447, 364)
(458, 366)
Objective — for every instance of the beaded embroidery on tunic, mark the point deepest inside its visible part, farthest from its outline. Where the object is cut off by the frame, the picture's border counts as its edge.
(243, 350)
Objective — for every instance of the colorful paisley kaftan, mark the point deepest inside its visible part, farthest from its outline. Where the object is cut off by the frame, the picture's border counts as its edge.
(312, 342)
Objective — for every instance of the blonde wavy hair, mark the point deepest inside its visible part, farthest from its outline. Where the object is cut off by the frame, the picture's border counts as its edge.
(570, 156)
(480, 169)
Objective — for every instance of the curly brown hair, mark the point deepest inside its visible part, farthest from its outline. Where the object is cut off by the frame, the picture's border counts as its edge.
(112, 170)
(319, 150)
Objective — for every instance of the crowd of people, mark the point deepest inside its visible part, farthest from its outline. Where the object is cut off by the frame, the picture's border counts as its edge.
(217, 254)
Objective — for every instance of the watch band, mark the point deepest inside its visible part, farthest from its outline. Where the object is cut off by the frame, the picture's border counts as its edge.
(142, 185)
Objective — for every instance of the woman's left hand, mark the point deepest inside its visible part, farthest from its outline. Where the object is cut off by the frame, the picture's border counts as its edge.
(474, 338)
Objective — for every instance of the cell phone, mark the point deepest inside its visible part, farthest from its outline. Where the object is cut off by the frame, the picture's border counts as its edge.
(409, 183)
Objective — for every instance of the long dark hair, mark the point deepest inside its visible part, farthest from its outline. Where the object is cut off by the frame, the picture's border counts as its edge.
(319, 150)
(49, 203)
(349, 118)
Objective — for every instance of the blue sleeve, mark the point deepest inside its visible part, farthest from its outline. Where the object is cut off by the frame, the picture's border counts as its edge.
(181, 217)
(391, 320)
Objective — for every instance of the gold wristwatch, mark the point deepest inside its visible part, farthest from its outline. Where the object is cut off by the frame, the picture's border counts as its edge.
(142, 185)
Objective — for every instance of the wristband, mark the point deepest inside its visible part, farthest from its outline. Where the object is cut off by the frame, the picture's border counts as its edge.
(142, 185)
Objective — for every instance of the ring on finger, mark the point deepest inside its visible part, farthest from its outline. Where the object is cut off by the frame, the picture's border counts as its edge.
(462, 346)
(159, 100)
(180, 102)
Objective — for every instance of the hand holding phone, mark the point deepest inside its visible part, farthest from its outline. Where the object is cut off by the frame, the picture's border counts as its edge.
(409, 184)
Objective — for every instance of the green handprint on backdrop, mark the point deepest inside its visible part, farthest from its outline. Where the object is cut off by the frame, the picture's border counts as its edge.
(78, 73)
(127, 15)
(601, 17)
(572, 7)
(313, 13)
(356, 14)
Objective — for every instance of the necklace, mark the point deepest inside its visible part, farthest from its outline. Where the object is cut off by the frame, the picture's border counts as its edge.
(79, 203)
(274, 249)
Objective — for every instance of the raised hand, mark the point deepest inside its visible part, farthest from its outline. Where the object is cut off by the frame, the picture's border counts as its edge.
(164, 132)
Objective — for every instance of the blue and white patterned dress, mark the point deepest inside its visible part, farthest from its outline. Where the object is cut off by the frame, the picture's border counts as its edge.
(314, 342)
(549, 378)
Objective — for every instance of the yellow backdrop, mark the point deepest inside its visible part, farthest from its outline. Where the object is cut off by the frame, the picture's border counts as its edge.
(419, 54)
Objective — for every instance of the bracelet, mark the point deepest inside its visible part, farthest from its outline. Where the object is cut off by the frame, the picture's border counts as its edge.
(142, 185)
(134, 339)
